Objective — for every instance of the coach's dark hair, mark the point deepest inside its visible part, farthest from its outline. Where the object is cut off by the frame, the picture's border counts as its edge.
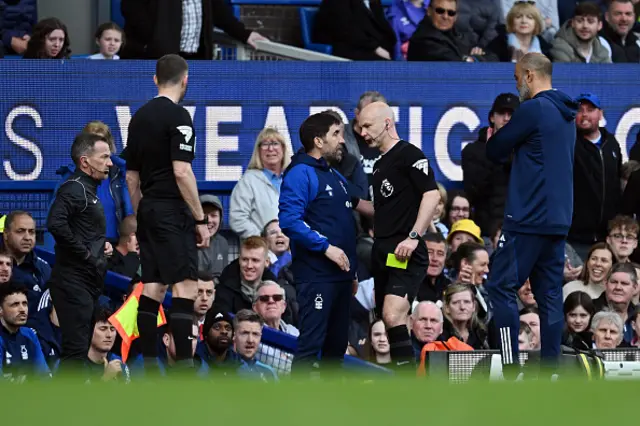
(13, 215)
(84, 144)
(9, 288)
(102, 314)
(588, 8)
(316, 126)
(434, 237)
(170, 69)
(246, 315)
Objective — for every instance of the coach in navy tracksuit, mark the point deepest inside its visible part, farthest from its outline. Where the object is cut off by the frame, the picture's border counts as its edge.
(316, 214)
(541, 138)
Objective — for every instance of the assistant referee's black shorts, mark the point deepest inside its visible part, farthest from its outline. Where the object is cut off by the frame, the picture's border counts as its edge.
(167, 237)
(399, 282)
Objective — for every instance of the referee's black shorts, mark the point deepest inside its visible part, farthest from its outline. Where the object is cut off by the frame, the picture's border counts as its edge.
(399, 282)
(167, 237)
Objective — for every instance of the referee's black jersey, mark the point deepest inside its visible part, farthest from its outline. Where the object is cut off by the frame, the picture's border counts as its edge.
(160, 132)
(400, 178)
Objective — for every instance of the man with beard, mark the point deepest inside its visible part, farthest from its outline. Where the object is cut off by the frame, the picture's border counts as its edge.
(316, 214)
(596, 177)
(540, 139)
(171, 222)
(214, 351)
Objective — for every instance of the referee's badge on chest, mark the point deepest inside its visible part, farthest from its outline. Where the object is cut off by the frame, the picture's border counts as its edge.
(386, 189)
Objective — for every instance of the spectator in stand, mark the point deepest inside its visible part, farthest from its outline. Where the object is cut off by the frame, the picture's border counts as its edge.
(104, 364)
(566, 8)
(525, 338)
(204, 299)
(270, 304)
(627, 170)
(278, 243)
(379, 350)
(521, 35)
(480, 17)
(484, 181)
(621, 285)
(349, 165)
(109, 38)
(607, 327)
(404, 16)
(578, 311)
(28, 269)
(426, 325)
(635, 323)
(21, 356)
(240, 279)
(436, 281)
(591, 281)
(578, 41)
(457, 208)
(6, 265)
(526, 299)
(357, 29)
(215, 351)
(44, 321)
(17, 18)
(157, 28)
(246, 341)
(167, 357)
(596, 177)
(437, 39)
(50, 40)
(461, 320)
(622, 42)
(471, 267)
(125, 259)
(548, 10)
(462, 231)
(531, 317)
(439, 214)
(254, 200)
(214, 258)
(623, 237)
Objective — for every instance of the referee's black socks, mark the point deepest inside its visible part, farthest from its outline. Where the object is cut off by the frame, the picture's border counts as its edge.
(182, 321)
(402, 354)
(148, 327)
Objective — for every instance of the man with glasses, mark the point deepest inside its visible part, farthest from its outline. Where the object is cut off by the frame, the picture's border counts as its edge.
(623, 237)
(437, 39)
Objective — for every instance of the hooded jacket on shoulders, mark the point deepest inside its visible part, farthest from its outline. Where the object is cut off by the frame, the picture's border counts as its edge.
(541, 137)
(564, 48)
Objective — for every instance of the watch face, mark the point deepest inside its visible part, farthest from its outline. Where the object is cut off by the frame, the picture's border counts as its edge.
(413, 235)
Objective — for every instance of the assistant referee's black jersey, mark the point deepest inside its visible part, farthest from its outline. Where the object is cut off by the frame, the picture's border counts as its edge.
(160, 132)
(400, 178)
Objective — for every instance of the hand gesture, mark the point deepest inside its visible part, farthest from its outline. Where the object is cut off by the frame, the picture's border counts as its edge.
(337, 256)
(570, 273)
(253, 37)
(108, 249)
(112, 369)
(466, 275)
(405, 249)
(203, 235)
(477, 51)
(132, 244)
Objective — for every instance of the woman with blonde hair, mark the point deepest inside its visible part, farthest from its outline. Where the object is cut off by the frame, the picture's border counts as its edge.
(461, 319)
(521, 34)
(254, 200)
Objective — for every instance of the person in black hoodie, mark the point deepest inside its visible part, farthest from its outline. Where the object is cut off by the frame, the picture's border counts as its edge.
(596, 177)
(356, 30)
(125, 259)
(484, 181)
(437, 39)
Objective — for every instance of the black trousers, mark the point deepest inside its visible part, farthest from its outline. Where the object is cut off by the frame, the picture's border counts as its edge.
(75, 305)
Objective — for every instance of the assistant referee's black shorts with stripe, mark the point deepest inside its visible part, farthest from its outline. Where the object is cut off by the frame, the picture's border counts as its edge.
(167, 237)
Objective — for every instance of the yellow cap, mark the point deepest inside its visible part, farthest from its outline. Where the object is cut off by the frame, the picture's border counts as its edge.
(468, 226)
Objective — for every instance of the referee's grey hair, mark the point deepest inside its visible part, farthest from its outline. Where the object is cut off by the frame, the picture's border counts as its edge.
(414, 314)
(607, 316)
(370, 97)
(267, 283)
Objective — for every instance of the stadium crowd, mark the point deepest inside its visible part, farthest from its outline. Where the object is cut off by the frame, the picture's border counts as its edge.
(245, 283)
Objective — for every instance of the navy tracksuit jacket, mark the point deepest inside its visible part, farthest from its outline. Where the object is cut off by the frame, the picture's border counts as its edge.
(541, 137)
(33, 273)
(315, 211)
(21, 356)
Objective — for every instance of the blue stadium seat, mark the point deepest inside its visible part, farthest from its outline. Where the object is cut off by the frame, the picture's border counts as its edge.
(116, 15)
(307, 17)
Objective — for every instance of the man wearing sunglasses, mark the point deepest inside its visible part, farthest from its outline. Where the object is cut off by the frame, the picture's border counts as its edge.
(437, 39)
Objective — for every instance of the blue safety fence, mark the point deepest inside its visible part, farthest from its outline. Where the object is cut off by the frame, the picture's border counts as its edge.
(117, 285)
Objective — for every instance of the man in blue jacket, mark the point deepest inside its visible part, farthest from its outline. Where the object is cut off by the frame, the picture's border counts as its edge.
(540, 137)
(316, 214)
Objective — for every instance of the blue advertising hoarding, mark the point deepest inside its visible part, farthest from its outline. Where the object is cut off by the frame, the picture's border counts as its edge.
(439, 106)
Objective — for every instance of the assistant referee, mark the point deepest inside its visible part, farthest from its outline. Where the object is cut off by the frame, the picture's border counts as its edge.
(405, 196)
(171, 223)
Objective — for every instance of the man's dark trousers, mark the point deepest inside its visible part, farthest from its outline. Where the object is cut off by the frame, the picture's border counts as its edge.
(323, 324)
(541, 259)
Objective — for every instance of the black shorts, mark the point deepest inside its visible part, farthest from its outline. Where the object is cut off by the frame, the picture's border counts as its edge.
(167, 237)
(399, 282)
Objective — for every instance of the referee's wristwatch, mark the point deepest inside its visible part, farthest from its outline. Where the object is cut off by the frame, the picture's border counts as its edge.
(204, 221)
(413, 235)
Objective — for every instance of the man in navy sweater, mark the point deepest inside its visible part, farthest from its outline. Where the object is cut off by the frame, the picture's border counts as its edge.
(316, 214)
(540, 137)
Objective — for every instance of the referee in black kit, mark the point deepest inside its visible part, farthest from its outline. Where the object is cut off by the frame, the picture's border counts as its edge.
(171, 223)
(405, 196)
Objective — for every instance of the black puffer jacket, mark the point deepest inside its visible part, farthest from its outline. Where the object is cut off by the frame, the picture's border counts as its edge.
(480, 17)
(485, 183)
(77, 222)
(596, 188)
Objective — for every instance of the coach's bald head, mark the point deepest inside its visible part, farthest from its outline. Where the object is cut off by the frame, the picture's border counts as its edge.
(533, 75)
(378, 125)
